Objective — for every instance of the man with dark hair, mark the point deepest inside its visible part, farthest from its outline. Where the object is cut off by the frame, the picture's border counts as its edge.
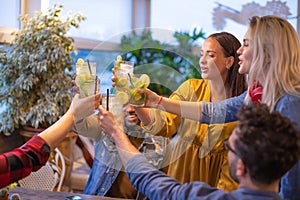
(261, 149)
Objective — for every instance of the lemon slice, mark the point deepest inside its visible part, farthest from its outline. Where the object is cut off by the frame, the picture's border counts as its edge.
(119, 58)
(136, 98)
(145, 79)
(139, 85)
(122, 97)
(80, 61)
(80, 82)
(121, 82)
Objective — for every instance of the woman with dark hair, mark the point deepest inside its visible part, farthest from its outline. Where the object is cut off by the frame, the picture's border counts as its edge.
(198, 153)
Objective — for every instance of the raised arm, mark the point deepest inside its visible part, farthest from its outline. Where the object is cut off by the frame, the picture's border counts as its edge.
(79, 109)
(205, 112)
(143, 176)
(20, 162)
(191, 110)
(123, 144)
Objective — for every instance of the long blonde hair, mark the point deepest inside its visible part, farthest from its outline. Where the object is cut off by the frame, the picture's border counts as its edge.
(276, 58)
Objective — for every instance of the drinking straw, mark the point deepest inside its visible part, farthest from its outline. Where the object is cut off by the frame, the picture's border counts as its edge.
(88, 62)
(130, 80)
(96, 83)
(107, 99)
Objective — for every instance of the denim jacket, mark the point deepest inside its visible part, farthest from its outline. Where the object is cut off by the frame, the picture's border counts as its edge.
(107, 163)
(288, 105)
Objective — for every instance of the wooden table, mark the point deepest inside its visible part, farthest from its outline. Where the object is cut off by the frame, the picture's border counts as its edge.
(32, 194)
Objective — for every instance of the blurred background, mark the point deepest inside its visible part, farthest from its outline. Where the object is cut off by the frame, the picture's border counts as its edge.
(183, 23)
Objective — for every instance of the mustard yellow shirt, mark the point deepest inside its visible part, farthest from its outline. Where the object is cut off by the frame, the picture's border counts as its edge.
(198, 153)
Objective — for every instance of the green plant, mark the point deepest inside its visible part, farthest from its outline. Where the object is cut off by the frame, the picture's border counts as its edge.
(168, 65)
(36, 71)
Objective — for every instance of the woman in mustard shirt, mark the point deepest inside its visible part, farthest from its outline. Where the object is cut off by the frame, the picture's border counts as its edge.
(198, 153)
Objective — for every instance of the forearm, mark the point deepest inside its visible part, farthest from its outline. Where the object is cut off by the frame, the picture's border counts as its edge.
(58, 131)
(78, 110)
(190, 110)
(125, 148)
(144, 115)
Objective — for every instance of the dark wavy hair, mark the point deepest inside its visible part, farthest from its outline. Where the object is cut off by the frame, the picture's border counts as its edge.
(230, 44)
(268, 143)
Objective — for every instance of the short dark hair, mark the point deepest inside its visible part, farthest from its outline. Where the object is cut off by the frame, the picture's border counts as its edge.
(267, 143)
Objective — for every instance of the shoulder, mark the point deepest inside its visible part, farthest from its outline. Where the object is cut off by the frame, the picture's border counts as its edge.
(288, 101)
(196, 82)
(289, 106)
(289, 98)
(192, 90)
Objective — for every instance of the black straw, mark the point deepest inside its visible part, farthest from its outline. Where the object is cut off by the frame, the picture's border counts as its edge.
(107, 99)
(130, 80)
(88, 62)
(96, 83)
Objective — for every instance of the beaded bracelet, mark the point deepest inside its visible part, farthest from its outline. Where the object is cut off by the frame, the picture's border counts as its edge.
(159, 101)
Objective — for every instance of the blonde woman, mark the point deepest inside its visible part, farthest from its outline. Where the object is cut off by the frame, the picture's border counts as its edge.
(271, 55)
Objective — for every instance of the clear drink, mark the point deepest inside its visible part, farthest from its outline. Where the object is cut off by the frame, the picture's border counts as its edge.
(86, 78)
(123, 70)
(128, 83)
(115, 107)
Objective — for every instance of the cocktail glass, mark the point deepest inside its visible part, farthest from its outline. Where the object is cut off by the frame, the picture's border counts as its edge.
(86, 78)
(137, 82)
(123, 69)
(111, 103)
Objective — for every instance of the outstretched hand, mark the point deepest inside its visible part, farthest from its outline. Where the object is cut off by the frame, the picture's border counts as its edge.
(107, 121)
(152, 99)
(84, 107)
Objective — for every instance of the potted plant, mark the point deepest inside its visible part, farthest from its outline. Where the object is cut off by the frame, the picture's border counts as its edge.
(36, 71)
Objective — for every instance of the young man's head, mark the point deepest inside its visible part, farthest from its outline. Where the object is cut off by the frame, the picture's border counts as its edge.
(264, 143)
(130, 118)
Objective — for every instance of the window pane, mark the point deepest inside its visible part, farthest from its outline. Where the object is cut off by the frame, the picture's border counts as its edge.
(10, 11)
(106, 20)
(164, 14)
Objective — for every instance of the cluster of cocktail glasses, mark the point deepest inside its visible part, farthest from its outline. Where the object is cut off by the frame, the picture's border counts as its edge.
(127, 83)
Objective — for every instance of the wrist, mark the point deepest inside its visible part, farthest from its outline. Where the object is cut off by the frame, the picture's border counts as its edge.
(119, 137)
(159, 101)
(116, 134)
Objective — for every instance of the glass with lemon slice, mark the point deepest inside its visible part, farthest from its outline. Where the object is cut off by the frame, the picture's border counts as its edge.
(122, 70)
(130, 93)
(86, 78)
(128, 83)
(138, 82)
